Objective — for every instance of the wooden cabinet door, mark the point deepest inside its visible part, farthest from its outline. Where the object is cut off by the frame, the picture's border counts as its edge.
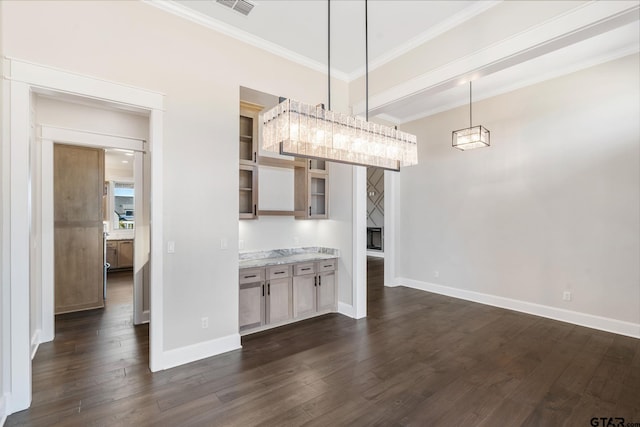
(251, 305)
(326, 291)
(78, 174)
(279, 300)
(318, 195)
(248, 195)
(125, 253)
(112, 254)
(304, 295)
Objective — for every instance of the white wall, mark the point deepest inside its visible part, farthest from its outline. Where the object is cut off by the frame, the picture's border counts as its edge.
(200, 73)
(552, 206)
(337, 232)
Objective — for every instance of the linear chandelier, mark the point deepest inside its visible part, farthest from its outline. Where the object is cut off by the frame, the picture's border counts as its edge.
(302, 130)
(471, 137)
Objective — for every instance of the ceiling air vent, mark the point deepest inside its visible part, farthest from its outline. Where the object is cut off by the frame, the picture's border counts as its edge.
(241, 6)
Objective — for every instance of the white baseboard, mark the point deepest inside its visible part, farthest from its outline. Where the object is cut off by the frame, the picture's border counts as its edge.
(3, 409)
(582, 319)
(346, 309)
(377, 254)
(35, 342)
(191, 353)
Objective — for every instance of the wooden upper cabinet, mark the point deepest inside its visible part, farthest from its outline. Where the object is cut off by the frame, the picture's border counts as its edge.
(249, 136)
(248, 149)
(312, 190)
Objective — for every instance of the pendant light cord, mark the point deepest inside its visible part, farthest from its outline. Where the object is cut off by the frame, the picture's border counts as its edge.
(329, 52)
(366, 58)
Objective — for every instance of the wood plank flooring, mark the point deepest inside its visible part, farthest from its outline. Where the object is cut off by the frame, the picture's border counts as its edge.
(418, 359)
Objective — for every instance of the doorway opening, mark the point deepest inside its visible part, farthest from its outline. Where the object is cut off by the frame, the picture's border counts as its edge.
(93, 196)
(375, 212)
(27, 79)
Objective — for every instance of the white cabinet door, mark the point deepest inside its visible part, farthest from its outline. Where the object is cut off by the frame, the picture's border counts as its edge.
(304, 295)
(326, 291)
(279, 300)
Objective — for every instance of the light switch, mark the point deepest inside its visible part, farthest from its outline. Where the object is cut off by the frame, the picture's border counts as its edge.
(171, 246)
(224, 243)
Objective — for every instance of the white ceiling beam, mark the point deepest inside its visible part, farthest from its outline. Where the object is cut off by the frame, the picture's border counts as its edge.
(577, 25)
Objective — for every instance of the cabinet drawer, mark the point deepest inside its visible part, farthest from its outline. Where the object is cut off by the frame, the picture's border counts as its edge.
(326, 265)
(306, 268)
(251, 275)
(278, 272)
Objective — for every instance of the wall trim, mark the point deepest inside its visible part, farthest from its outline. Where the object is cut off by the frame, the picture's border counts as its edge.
(346, 309)
(581, 319)
(35, 342)
(177, 9)
(20, 78)
(202, 350)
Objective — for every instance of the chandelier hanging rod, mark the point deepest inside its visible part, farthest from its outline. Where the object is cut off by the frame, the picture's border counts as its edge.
(296, 129)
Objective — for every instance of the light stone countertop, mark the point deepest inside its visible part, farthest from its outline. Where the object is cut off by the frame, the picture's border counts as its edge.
(286, 256)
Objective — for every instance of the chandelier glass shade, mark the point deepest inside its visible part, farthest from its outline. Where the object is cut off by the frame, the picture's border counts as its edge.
(301, 130)
(471, 137)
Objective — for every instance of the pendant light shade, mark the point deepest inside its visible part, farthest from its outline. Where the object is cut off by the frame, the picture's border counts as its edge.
(471, 137)
(302, 130)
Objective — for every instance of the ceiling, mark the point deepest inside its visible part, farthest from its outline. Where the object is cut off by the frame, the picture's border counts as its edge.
(562, 37)
(119, 162)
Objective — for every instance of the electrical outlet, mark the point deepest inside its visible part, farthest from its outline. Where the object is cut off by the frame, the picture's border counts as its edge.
(296, 241)
(205, 322)
(566, 295)
(224, 243)
(436, 273)
(241, 244)
(171, 247)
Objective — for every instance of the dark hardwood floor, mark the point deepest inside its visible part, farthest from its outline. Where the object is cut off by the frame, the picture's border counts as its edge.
(418, 359)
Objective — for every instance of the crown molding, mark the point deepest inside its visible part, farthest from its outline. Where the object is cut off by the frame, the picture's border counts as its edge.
(177, 9)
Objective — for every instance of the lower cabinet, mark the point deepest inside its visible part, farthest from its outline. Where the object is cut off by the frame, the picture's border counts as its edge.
(120, 254)
(314, 288)
(277, 295)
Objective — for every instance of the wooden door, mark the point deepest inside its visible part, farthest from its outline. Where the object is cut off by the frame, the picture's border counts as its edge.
(304, 295)
(78, 179)
(279, 300)
(326, 291)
